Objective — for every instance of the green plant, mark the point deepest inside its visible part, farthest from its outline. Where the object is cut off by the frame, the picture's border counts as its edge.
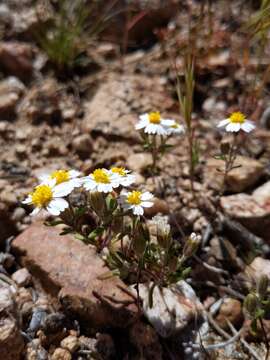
(257, 305)
(110, 217)
(185, 93)
(257, 29)
(67, 36)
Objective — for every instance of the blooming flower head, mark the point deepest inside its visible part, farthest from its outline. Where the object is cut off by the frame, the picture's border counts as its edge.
(123, 176)
(68, 178)
(237, 121)
(174, 128)
(101, 180)
(48, 196)
(136, 201)
(154, 124)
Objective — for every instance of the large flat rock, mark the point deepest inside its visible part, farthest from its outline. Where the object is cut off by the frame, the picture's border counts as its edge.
(114, 110)
(253, 211)
(72, 271)
(246, 173)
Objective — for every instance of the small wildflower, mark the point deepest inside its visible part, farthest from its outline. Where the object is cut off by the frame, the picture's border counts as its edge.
(101, 180)
(136, 201)
(123, 176)
(48, 196)
(154, 124)
(191, 245)
(68, 178)
(174, 128)
(236, 122)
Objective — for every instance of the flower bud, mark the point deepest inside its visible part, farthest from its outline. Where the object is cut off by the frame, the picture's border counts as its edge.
(191, 245)
(97, 202)
(262, 285)
(163, 231)
(225, 147)
(251, 303)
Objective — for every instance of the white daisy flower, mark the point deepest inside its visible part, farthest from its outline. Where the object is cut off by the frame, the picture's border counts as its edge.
(48, 196)
(152, 123)
(101, 180)
(136, 201)
(173, 128)
(69, 178)
(236, 122)
(123, 176)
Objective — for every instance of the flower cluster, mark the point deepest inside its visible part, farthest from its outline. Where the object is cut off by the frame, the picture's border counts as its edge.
(51, 192)
(106, 212)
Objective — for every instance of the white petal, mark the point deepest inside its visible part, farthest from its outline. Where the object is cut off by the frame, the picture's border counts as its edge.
(62, 189)
(144, 117)
(127, 180)
(147, 204)
(28, 200)
(137, 210)
(141, 124)
(168, 122)
(104, 188)
(248, 126)
(75, 183)
(53, 210)
(50, 182)
(150, 129)
(90, 186)
(35, 211)
(146, 196)
(223, 122)
(59, 204)
(74, 173)
(162, 130)
(233, 127)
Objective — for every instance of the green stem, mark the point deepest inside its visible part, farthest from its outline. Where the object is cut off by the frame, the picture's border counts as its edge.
(265, 338)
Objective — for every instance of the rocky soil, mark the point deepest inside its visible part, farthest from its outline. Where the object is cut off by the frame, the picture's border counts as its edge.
(54, 303)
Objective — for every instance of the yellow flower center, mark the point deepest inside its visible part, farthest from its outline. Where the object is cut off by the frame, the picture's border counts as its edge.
(154, 117)
(100, 176)
(237, 117)
(175, 126)
(134, 198)
(60, 176)
(42, 195)
(119, 170)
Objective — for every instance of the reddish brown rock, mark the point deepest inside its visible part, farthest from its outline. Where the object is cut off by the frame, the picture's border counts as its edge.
(11, 341)
(147, 18)
(146, 341)
(61, 354)
(256, 269)
(247, 173)
(16, 58)
(231, 310)
(113, 111)
(159, 207)
(253, 211)
(71, 270)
